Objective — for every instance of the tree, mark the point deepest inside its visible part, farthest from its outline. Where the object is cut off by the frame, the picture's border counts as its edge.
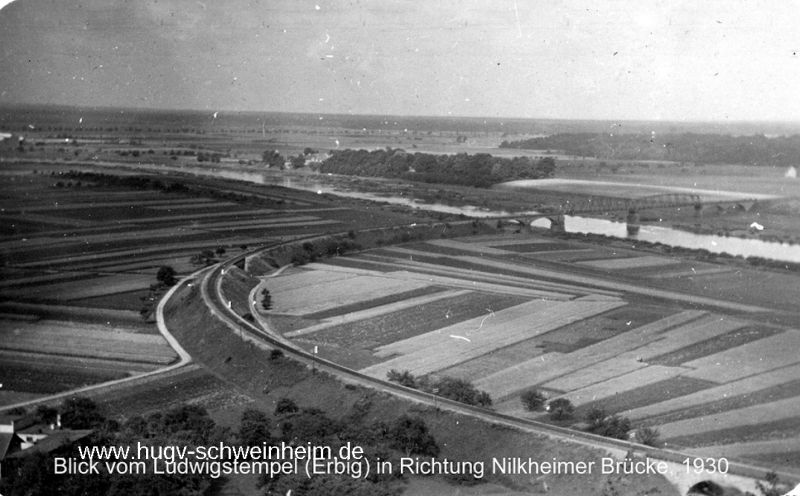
(533, 400)
(254, 428)
(298, 162)
(561, 409)
(166, 275)
(404, 378)
(273, 159)
(648, 436)
(266, 299)
(410, 435)
(220, 251)
(609, 426)
(80, 412)
(771, 486)
(462, 391)
(285, 406)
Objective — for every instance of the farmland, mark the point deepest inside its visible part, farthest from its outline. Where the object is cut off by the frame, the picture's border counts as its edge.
(667, 340)
(591, 330)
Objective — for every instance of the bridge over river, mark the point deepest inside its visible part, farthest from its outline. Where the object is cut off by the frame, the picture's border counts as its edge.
(604, 204)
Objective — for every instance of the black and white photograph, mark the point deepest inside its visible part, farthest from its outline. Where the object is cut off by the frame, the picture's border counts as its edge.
(390, 247)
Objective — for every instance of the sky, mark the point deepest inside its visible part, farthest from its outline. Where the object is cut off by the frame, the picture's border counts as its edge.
(706, 60)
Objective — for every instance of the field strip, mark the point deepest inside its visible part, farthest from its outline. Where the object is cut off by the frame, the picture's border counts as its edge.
(46, 219)
(165, 202)
(309, 276)
(179, 263)
(489, 337)
(553, 365)
(630, 263)
(618, 384)
(98, 286)
(38, 309)
(744, 386)
(332, 294)
(483, 250)
(684, 336)
(752, 415)
(469, 282)
(599, 372)
(616, 286)
(256, 221)
(187, 206)
(81, 350)
(77, 363)
(25, 281)
(752, 358)
(690, 273)
(752, 448)
(271, 225)
(53, 329)
(466, 328)
(35, 344)
(150, 234)
(165, 249)
(375, 312)
(470, 275)
(512, 242)
(208, 215)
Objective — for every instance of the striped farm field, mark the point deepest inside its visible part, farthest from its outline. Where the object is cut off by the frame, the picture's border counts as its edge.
(44, 379)
(131, 300)
(72, 340)
(298, 278)
(333, 294)
(376, 302)
(618, 384)
(715, 345)
(496, 361)
(539, 247)
(753, 358)
(554, 365)
(735, 401)
(630, 263)
(788, 427)
(398, 326)
(664, 390)
(721, 397)
(190, 385)
(98, 286)
(446, 347)
(639, 357)
(593, 374)
(749, 418)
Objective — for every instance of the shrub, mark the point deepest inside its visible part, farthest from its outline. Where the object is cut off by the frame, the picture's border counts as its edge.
(533, 400)
(560, 409)
(648, 435)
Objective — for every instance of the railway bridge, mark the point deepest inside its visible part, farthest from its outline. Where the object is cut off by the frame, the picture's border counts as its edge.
(603, 204)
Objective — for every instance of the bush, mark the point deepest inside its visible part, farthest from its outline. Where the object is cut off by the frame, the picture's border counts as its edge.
(533, 400)
(648, 436)
(560, 409)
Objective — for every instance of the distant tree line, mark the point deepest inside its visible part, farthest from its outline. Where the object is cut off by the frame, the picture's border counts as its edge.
(480, 170)
(686, 147)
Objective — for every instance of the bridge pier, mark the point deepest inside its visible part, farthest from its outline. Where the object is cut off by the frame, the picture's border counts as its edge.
(557, 223)
(632, 222)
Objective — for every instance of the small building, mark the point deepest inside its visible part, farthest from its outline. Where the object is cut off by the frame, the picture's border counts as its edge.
(21, 435)
(791, 172)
